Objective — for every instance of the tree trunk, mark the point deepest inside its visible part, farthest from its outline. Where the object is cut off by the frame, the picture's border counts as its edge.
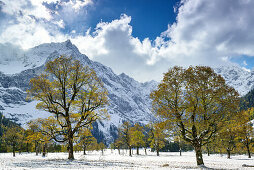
(119, 151)
(247, 147)
(199, 157)
(145, 151)
(208, 150)
(27, 150)
(180, 149)
(84, 147)
(13, 150)
(228, 152)
(70, 148)
(248, 150)
(36, 148)
(44, 150)
(157, 150)
(129, 150)
(137, 150)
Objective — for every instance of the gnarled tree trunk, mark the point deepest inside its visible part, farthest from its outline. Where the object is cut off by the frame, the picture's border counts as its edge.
(70, 148)
(199, 157)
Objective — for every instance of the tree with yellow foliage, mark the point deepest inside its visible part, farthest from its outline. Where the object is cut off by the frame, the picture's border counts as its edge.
(124, 135)
(118, 144)
(137, 136)
(13, 137)
(72, 93)
(101, 146)
(41, 131)
(85, 139)
(198, 101)
(247, 132)
(157, 136)
(34, 135)
(238, 131)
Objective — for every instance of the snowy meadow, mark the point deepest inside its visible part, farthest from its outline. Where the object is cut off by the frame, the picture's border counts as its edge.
(112, 160)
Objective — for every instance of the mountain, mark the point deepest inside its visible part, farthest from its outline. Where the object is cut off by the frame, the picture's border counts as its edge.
(239, 78)
(129, 99)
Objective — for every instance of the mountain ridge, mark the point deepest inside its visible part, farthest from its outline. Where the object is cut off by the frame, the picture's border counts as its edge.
(129, 99)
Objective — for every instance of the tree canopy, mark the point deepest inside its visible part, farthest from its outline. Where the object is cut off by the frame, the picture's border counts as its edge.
(72, 93)
(198, 101)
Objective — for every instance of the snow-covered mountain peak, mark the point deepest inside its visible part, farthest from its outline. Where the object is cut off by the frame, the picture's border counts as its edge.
(239, 78)
(129, 99)
(19, 60)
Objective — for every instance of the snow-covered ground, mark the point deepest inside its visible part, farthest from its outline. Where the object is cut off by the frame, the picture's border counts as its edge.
(111, 160)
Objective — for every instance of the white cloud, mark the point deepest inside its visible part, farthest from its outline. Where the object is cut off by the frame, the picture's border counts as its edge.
(60, 23)
(205, 33)
(113, 45)
(30, 23)
(27, 7)
(77, 4)
(28, 33)
(244, 63)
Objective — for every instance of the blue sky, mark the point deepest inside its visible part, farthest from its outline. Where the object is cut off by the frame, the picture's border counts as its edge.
(149, 17)
(141, 38)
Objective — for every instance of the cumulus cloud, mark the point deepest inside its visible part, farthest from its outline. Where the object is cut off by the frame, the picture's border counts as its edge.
(28, 23)
(208, 31)
(205, 33)
(113, 45)
(77, 4)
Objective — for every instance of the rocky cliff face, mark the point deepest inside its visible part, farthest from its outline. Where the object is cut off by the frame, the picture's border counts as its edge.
(129, 99)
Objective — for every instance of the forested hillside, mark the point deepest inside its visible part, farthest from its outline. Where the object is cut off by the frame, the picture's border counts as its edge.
(247, 101)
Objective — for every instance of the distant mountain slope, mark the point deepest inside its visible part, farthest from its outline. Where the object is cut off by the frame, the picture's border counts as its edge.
(129, 99)
(237, 77)
(247, 101)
